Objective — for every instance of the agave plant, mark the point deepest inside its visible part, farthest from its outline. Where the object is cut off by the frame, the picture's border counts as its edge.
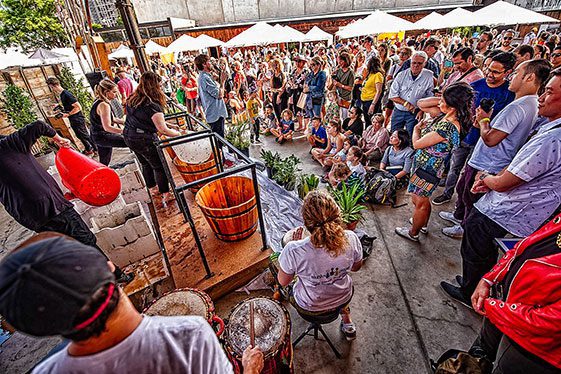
(307, 183)
(238, 134)
(349, 200)
(269, 158)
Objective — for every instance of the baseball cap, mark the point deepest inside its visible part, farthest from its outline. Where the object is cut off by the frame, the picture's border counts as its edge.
(44, 285)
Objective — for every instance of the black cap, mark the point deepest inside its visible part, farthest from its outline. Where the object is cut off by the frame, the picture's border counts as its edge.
(44, 285)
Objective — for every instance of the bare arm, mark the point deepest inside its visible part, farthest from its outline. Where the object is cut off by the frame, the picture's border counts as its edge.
(490, 136)
(284, 279)
(161, 125)
(76, 108)
(104, 112)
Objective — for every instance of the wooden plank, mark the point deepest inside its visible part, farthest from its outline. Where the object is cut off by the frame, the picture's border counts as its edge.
(234, 264)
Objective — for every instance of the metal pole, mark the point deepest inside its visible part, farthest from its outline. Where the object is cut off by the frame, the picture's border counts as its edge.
(133, 33)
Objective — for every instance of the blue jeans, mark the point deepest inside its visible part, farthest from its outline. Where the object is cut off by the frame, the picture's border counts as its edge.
(403, 119)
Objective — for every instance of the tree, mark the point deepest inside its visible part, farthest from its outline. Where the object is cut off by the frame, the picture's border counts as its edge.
(30, 24)
(18, 106)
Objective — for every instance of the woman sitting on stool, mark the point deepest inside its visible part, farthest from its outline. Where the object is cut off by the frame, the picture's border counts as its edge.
(322, 262)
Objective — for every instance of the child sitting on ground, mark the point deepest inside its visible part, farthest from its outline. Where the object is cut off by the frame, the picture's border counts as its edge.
(354, 160)
(340, 173)
(270, 122)
(341, 156)
(318, 137)
(286, 128)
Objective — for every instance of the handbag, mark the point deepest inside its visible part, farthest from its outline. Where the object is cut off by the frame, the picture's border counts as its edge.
(425, 180)
(344, 103)
(302, 100)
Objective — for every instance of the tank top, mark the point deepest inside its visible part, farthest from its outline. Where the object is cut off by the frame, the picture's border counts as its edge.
(277, 81)
(96, 126)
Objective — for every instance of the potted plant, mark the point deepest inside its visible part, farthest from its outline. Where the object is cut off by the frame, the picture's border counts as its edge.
(349, 199)
(284, 172)
(307, 183)
(270, 159)
(238, 135)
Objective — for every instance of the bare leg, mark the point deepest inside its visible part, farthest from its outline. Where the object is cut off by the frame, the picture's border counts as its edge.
(421, 214)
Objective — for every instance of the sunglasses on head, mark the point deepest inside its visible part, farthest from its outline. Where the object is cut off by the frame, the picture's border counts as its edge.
(508, 38)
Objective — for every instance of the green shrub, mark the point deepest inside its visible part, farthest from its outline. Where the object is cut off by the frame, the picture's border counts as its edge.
(18, 106)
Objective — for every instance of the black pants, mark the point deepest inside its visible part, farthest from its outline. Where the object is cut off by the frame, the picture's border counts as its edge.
(145, 151)
(255, 129)
(105, 143)
(71, 224)
(82, 133)
(478, 250)
(218, 126)
(367, 119)
(509, 357)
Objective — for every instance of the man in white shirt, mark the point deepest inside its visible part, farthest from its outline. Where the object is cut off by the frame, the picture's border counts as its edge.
(53, 285)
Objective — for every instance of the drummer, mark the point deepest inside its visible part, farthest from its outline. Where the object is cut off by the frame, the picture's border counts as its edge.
(322, 262)
(54, 285)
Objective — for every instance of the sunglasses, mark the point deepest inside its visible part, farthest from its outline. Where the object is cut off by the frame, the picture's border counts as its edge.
(508, 38)
(556, 55)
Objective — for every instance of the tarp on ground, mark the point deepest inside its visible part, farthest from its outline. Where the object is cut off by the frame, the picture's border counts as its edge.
(503, 13)
(258, 34)
(377, 22)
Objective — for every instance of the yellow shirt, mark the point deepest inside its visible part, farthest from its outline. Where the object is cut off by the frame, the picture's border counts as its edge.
(369, 87)
(253, 106)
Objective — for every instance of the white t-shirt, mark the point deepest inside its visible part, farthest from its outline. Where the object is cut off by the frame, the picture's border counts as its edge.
(358, 169)
(158, 345)
(323, 282)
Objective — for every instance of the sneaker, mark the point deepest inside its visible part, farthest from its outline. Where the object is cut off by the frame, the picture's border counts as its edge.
(455, 231)
(424, 229)
(442, 199)
(349, 330)
(324, 179)
(449, 216)
(460, 280)
(455, 293)
(404, 232)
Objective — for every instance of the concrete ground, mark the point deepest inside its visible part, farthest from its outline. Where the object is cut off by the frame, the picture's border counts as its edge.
(402, 317)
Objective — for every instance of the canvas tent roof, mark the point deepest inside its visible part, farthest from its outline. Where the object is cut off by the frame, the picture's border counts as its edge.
(377, 22)
(206, 41)
(429, 21)
(258, 34)
(122, 52)
(182, 44)
(458, 17)
(316, 34)
(503, 13)
(152, 48)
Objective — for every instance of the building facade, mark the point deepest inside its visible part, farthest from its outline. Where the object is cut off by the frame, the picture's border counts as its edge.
(105, 13)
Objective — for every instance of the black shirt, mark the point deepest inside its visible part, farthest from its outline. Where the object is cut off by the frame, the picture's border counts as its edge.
(356, 127)
(27, 191)
(141, 117)
(68, 100)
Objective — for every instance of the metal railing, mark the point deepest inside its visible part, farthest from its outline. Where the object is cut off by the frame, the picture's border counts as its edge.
(218, 143)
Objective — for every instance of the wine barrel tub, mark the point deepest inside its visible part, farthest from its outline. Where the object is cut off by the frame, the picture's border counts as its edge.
(193, 172)
(169, 150)
(230, 207)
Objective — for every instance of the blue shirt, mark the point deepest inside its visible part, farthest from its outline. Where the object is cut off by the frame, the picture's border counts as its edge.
(502, 97)
(320, 133)
(209, 92)
(431, 64)
(524, 208)
(286, 126)
(410, 88)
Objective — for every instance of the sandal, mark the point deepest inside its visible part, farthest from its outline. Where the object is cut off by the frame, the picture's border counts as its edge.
(349, 330)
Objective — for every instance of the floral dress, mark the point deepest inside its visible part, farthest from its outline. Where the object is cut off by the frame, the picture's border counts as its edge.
(433, 159)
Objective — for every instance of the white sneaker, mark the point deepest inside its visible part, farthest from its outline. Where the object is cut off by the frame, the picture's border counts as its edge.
(404, 232)
(449, 216)
(424, 229)
(455, 231)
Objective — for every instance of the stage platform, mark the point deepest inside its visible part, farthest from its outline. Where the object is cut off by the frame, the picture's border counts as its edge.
(233, 264)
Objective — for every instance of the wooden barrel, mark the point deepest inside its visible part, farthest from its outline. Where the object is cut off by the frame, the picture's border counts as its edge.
(193, 172)
(169, 150)
(229, 207)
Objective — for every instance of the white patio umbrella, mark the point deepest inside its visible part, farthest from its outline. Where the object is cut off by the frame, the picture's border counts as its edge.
(122, 52)
(182, 44)
(151, 48)
(458, 17)
(206, 41)
(13, 58)
(429, 21)
(377, 22)
(317, 34)
(503, 13)
(258, 34)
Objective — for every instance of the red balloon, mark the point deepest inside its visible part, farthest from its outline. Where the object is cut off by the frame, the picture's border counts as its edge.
(90, 181)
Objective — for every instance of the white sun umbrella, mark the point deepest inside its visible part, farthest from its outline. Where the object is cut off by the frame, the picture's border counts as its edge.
(206, 41)
(258, 34)
(377, 22)
(429, 21)
(317, 34)
(13, 58)
(151, 48)
(122, 52)
(458, 17)
(183, 44)
(503, 13)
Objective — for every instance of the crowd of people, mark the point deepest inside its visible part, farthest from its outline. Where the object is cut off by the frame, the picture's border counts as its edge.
(479, 116)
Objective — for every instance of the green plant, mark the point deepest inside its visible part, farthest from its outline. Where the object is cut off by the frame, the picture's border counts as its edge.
(18, 106)
(348, 198)
(285, 170)
(307, 183)
(269, 158)
(238, 134)
(77, 88)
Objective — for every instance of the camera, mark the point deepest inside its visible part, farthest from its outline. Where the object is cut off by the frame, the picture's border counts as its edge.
(487, 104)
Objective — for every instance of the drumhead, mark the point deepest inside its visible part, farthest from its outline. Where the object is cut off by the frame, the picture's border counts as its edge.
(182, 303)
(194, 152)
(271, 323)
(297, 233)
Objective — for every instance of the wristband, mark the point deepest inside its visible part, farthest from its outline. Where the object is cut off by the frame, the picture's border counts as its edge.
(486, 119)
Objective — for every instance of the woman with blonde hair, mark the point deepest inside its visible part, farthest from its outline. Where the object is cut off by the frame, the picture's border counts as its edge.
(322, 262)
(104, 129)
(145, 119)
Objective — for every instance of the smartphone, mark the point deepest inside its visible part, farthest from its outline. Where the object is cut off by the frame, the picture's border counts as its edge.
(448, 64)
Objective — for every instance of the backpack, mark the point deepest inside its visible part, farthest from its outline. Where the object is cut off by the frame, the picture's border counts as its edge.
(380, 187)
(454, 361)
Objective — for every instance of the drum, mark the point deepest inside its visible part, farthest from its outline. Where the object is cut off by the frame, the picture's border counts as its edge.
(272, 334)
(186, 302)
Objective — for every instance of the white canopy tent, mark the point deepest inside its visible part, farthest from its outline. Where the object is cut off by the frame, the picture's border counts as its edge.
(152, 48)
(458, 17)
(503, 13)
(317, 34)
(122, 52)
(429, 21)
(377, 22)
(206, 41)
(258, 34)
(182, 44)
(13, 58)
(285, 34)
